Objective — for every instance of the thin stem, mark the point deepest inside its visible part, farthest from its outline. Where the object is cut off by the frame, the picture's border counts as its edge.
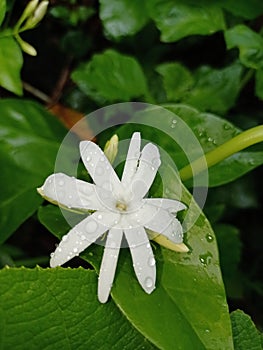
(249, 74)
(236, 144)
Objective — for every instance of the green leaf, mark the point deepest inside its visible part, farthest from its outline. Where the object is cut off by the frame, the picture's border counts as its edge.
(212, 131)
(177, 80)
(123, 17)
(259, 83)
(58, 308)
(215, 90)
(229, 246)
(246, 9)
(235, 166)
(179, 19)
(249, 43)
(29, 140)
(2, 10)
(245, 334)
(111, 77)
(11, 61)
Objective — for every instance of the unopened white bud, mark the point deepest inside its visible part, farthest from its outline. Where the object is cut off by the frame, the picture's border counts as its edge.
(111, 148)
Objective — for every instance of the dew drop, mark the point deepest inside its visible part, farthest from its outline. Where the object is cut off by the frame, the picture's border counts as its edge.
(51, 255)
(88, 159)
(59, 250)
(91, 226)
(210, 139)
(151, 261)
(75, 250)
(209, 238)
(148, 282)
(82, 237)
(251, 162)
(226, 126)
(206, 259)
(64, 238)
(174, 122)
(99, 216)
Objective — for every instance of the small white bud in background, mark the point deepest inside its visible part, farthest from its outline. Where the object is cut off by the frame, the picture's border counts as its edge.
(111, 148)
(37, 16)
(26, 47)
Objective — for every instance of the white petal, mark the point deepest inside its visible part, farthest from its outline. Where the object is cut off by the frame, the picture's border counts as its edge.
(99, 167)
(142, 257)
(174, 232)
(150, 215)
(132, 158)
(158, 220)
(149, 163)
(70, 192)
(81, 236)
(109, 263)
(172, 205)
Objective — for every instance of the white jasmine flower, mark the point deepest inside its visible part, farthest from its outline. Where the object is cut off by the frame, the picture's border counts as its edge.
(120, 209)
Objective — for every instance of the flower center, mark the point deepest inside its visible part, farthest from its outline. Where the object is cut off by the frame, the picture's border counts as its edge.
(121, 206)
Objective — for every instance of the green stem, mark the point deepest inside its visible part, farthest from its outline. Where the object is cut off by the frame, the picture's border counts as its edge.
(249, 74)
(236, 144)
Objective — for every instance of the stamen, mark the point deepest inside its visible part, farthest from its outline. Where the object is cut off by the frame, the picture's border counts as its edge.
(121, 206)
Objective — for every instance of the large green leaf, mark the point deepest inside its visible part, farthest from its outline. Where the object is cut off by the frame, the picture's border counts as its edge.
(177, 80)
(29, 140)
(208, 89)
(178, 19)
(111, 76)
(11, 61)
(123, 17)
(215, 90)
(2, 10)
(245, 334)
(249, 43)
(58, 309)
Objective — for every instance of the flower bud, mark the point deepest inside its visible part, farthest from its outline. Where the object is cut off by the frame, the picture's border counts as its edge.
(111, 148)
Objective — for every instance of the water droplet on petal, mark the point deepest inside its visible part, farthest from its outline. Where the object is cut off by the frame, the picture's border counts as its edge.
(91, 226)
(82, 237)
(148, 282)
(88, 159)
(151, 261)
(75, 250)
(64, 238)
(99, 216)
(51, 255)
